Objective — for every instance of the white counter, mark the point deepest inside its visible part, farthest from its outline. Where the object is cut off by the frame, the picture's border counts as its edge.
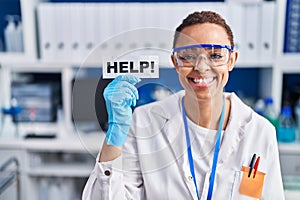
(292, 195)
(77, 142)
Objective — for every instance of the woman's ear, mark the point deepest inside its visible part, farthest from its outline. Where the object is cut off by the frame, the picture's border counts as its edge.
(232, 60)
(174, 62)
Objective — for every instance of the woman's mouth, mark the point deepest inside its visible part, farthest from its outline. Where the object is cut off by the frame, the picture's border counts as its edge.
(201, 82)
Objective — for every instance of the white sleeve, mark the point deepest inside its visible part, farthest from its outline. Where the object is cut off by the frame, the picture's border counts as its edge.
(104, 182)
(118, 179)
(273, 180)
(110, 181)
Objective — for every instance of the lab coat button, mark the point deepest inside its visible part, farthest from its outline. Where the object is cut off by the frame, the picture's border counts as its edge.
(190, 178)
(107, 172)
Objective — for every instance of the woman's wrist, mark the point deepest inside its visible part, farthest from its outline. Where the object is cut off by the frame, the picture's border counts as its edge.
(109, 152)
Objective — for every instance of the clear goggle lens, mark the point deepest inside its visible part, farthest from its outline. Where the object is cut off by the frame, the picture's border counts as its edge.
(215, 55)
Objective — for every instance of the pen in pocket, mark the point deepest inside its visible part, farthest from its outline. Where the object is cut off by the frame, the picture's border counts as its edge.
(256, 166)
(251, 164)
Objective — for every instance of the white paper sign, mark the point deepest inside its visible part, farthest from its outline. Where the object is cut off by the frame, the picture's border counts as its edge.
(140, 66)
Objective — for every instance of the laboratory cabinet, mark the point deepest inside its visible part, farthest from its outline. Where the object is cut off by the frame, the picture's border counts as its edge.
(23, 14)
(49, 168)
(67, 42)
(12, 168)
(290, 167)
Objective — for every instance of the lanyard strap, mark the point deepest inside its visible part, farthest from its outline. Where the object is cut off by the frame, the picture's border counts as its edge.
(189, 149)
(216, 152)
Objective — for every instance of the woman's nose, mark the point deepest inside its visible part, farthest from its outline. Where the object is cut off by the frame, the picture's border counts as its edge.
(202, 64)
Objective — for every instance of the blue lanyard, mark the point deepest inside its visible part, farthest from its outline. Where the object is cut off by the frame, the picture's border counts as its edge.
(216, 152)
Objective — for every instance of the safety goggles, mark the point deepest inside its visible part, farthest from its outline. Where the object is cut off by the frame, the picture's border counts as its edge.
(214, 54)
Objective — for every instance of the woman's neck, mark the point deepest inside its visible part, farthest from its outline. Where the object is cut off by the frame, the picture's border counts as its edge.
(206, 113)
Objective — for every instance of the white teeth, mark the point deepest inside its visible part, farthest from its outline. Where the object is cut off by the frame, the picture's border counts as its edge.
(202, 80)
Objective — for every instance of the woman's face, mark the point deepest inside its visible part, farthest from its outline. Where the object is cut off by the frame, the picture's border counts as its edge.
(204, 80)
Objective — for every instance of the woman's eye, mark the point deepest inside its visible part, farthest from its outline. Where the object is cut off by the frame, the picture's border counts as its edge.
(187, 57)
(216, 56)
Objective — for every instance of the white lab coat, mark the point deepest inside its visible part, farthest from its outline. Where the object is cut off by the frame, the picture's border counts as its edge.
(154, 162)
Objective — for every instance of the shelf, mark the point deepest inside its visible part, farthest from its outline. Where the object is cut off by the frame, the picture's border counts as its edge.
(289, 148)
(289, 61)
(291, 69)
(62, 170)
(72, 142)
(15, 58)
(292, 194)
(36, 67)
(253, 64)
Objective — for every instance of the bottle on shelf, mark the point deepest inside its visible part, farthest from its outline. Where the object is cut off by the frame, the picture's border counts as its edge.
(297, 113)
(1, 45)
(286, 126)
(259, 106)
(10, 34)
(13, 34)
(19, 36)
(270, 112)
(43, 188)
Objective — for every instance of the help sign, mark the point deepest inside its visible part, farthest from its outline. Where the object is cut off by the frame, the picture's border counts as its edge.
(142, 67)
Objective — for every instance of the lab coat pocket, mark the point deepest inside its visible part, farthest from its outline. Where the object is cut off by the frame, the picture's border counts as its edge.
(252, 186)
(245, 188)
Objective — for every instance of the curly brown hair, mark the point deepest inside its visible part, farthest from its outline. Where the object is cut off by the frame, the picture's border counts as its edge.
(201, 18)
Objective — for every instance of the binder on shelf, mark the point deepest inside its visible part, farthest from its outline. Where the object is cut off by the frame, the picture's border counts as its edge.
(178, 14)
(133, 16)
(252, 31)
(166, 22)
(149, 13)
(119, 28)
(46, 27)
(106, 26)
(121, 15)
(76, 31)
(62, 18)
(97, 24)
(292, 33)
(149, 21)
(267, 31)
(133, 24)
(108, 30)
(236, 22)
(89, 26)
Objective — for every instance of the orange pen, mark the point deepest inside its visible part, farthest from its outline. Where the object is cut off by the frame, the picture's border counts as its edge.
(256, 166)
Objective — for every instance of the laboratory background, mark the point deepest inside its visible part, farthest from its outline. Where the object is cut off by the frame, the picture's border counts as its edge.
(53, 115)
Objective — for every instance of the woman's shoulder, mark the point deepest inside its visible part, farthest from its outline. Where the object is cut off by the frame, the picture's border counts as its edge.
(242, 112)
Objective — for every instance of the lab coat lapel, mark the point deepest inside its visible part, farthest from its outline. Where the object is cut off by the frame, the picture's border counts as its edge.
(166, 132)
(240, 115)
(175, 135)
(173, 129)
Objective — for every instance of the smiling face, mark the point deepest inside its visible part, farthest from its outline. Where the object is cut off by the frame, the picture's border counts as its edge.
(204, 81)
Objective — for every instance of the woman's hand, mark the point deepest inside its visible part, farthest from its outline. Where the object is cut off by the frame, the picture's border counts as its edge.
(119, 96)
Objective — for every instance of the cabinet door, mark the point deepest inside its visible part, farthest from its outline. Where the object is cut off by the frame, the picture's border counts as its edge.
(13, 174)
(25, 10)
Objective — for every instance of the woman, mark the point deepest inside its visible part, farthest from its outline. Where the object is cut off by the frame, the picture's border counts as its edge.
(200, 143)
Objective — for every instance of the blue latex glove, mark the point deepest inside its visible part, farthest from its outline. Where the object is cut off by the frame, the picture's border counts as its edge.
(120, 95)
